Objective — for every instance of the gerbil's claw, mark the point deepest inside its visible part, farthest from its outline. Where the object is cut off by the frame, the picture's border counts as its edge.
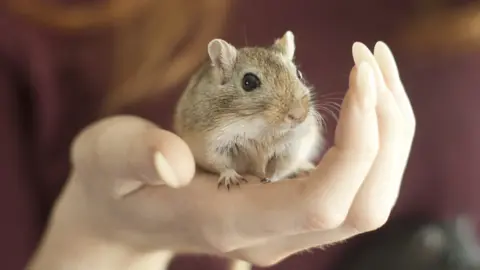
(244, 179)
(230, 178)
(266, 180)
(220, 184)
(303, 171)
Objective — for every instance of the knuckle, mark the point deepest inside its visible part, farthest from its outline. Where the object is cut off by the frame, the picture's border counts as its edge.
(325, 218)
(405, 134)
(220, 242)
(413, 121)
(225, 245)
(262, 259)
(370, 220)
(221, 245)
(265, 261)
(411, 129)
(405, 125)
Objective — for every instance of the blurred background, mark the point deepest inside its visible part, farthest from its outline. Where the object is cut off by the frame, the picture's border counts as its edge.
(59, 73)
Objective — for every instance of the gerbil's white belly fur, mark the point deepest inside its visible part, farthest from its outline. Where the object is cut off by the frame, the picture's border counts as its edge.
(310, 143)
(300, 145)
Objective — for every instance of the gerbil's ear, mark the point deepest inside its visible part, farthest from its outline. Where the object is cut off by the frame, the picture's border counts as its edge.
(286, 45)
(222, 54)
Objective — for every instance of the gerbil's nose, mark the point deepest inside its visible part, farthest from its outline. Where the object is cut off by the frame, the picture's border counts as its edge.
(296, 114)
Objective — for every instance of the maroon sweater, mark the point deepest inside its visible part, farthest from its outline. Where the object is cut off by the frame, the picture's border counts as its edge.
(50, 85)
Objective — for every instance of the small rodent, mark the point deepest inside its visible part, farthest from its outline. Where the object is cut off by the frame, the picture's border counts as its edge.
(249, 111)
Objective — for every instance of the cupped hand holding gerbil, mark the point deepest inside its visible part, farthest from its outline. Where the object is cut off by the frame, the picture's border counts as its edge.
(134, 190)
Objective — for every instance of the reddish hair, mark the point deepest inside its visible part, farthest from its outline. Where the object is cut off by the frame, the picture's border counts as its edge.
(157, 43)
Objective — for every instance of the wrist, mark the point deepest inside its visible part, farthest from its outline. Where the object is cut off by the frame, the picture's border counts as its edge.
(81, 252)
(70, 242)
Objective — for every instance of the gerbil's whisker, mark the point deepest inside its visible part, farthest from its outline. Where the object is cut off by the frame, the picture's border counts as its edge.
(319, 118)
(330, 112)
(332, 108)
(245, 35)
(332, 105)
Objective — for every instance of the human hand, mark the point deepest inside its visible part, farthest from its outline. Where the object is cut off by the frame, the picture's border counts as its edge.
(361, 174)
(135, 184)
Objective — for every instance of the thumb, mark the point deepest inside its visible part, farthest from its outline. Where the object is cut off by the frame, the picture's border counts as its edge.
(124, 153)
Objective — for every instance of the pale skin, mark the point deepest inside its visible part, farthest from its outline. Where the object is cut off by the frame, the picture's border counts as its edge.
(124, 204)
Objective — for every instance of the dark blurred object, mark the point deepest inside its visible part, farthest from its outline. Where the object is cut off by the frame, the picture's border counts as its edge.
(449, 245)
(443, 26)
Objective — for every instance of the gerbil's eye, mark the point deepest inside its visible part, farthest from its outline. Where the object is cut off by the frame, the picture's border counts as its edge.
(250, 82)
(299, 74)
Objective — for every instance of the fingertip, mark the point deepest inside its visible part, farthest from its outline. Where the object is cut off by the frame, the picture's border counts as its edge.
(123, 151)
(381, 53)
(360, 52)
(355, 51)
(386, 61)
(380, 45)
(173, 159)
(355, 46)
(382, 48)
(165, 171)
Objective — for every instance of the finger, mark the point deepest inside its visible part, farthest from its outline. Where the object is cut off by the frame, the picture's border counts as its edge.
(282, 247)
(352, 81)
(361, 54)
(358, 105)
(379, 192)
(388, 67)
(345, 166)
(128, 152)
(389, 70)
(321, 202)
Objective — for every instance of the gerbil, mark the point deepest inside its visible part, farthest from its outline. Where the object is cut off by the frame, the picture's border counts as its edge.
(249, 111)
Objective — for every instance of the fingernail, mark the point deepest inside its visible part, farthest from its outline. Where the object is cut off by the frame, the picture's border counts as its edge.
(165, 171)
(361, 53)
(366, 92)
(385, 58)
(383, 51)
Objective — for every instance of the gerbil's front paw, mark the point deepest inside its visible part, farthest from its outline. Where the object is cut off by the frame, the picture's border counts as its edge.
(230, 177)
(266, 180)
(303, 170)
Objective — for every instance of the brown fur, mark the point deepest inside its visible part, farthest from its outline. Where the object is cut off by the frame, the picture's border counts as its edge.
(228, 127)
